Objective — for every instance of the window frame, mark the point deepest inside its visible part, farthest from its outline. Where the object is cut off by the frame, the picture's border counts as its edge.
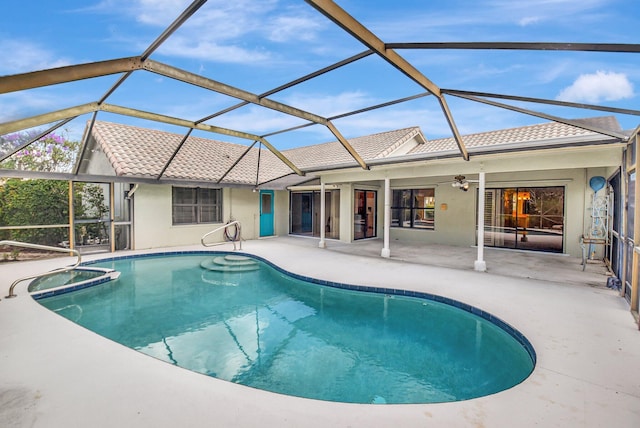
(398, 211)
(197, 205)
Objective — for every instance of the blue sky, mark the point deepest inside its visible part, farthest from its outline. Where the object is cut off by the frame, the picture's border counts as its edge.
(259, 45)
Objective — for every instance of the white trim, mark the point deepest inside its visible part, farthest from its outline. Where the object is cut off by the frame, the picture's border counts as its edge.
(312, 187)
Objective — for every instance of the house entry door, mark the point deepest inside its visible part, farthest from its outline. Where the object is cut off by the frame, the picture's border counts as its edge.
(266, 213)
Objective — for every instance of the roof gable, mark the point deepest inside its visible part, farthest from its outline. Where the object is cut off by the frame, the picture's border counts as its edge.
(369, 147)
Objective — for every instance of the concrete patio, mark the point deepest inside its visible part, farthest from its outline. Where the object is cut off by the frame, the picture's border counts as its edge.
(54, 373)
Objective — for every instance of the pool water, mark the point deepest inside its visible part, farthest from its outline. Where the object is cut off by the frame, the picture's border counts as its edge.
(264, 329)
(58, 279)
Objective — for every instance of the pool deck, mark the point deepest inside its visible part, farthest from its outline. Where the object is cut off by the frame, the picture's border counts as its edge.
(54, 373)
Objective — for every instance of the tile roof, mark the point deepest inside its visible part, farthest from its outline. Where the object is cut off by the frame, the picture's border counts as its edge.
(132, 155)
(368, 147)
(140, 152)
(525, 136)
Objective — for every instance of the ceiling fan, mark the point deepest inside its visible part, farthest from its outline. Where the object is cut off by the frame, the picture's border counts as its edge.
(461, 182)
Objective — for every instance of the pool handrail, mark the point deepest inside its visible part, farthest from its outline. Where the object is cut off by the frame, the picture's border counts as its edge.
(237, 238)
(40, 247)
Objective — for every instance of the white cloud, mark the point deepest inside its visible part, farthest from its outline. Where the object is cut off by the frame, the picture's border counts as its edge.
(210, 50)
(330, 105)
(523, 22)
(261, 120)
(158, 12)
(20, 105)
(550, 71)
(431, 121)
(286, 28)
(26, 56)
(239, 31)
(258, 120)
(526, 12)
(597, 87)
(486, 19)
(151, 12)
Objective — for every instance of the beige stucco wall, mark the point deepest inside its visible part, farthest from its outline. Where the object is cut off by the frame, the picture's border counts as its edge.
(154, 228)
(153, 224)
(346, 212)
(570, 168)
(455, 225)
(281, 212)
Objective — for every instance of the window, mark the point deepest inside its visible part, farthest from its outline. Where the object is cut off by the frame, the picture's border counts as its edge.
(526, 218)
(413, 208)
(196, 205)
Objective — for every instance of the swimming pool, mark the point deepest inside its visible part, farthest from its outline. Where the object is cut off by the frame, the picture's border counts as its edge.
(269, 330)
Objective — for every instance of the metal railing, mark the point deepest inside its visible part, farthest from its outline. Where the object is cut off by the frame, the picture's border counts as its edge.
(237, 236)
(39, 247)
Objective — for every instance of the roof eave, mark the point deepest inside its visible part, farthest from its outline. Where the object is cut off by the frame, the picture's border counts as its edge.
(503, 148)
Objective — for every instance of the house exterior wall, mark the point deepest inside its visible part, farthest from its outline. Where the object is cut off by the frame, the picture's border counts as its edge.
(281, 212)
(456, 225)
(242, 205)
(95, 161)
(153, 222)
(346, 212)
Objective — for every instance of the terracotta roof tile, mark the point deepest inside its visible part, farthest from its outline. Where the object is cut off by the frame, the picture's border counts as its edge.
(333, 153)
(140, 152)
(526, 135)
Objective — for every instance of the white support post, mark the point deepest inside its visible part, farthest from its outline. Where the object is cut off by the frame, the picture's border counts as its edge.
(322, 222)
(480, 265)
(386, 251)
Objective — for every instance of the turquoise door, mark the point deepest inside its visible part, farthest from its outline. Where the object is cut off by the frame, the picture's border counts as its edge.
(266, 213)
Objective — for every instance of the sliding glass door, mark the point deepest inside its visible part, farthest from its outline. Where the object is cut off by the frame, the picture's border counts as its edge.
(526, 218)
(364, 218)
(614, 251)
(305, 218)
(631, 212)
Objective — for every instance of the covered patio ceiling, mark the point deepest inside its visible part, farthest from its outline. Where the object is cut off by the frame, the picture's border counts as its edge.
(374, 47)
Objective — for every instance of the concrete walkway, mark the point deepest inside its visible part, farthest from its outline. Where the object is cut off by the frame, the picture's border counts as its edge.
(54, 373)
(519, 264)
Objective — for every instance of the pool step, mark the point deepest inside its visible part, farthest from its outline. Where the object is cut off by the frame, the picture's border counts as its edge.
(230, 263)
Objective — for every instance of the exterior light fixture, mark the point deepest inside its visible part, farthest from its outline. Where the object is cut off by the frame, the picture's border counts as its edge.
(460, 182)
